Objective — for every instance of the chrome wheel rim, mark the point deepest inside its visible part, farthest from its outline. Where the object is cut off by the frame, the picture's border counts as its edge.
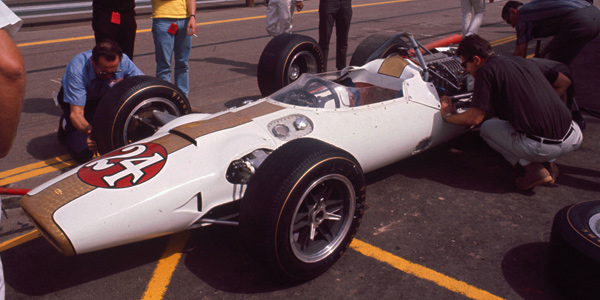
(322, 218)
(594, 224)
(302, 62)
(141, 123)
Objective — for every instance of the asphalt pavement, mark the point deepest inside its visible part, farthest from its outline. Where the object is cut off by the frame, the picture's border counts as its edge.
(444, 224)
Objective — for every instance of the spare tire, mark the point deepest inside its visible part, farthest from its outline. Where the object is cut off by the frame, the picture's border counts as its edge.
(129, 111)
(574, 255)
(285, 58)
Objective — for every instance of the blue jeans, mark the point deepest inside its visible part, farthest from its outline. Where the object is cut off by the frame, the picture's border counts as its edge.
(167, 45)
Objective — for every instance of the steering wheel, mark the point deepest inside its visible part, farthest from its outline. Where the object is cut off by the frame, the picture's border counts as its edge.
(301, 97)
(317, 82)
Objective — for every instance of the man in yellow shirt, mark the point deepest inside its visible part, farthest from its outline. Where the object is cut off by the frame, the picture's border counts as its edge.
(173, 25)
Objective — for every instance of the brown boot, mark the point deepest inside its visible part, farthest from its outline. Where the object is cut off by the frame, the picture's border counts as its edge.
(553, 170)
(535, 174)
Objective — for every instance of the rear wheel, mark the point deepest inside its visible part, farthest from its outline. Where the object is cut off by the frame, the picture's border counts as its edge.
(134, 109)
(303, 207)
(285, 58)
(370, 44)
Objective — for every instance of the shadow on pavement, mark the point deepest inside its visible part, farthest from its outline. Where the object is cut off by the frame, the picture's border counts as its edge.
(525, 269)
(221, 259)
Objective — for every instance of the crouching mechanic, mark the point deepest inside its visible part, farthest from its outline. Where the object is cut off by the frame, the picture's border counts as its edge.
(531, 125)
(87, 78)
(560, 77)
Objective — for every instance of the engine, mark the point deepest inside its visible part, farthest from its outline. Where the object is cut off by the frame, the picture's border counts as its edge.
(447, 74)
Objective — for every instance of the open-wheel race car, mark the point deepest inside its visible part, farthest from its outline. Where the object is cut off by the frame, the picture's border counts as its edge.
(287, 168)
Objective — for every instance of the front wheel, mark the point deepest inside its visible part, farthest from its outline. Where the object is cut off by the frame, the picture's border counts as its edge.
(134, 109)
(285, 58)
(303, 207)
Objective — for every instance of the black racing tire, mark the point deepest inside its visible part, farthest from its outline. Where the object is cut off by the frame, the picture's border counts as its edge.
(306, 187)
(125, 113)
(370, 44)
(285, 58)
(574, 254)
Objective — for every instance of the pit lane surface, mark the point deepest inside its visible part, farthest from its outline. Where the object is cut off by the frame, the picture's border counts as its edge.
(446, 224)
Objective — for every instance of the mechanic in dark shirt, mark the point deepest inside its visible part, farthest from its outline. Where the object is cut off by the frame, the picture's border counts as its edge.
(559, 76)
(573, 23)
(115, 20)
(531, 127)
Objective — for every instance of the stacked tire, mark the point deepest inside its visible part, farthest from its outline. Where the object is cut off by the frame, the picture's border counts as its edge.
(574, 255)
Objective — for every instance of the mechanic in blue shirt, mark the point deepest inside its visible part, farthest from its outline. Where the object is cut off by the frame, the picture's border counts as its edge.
(521, 115)
(87, 78)
(573, 23)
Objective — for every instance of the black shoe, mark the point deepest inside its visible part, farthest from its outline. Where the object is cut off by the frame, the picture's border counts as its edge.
(61, 134)
(82, 157)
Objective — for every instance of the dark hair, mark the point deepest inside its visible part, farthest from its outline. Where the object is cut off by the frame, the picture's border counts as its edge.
(108, 49)
(474, 45)
(508, 6)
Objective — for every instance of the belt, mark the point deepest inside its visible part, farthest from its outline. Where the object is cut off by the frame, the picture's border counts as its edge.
(549, 141)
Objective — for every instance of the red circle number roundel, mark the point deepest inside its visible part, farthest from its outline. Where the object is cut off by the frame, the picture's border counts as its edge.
(125, 167)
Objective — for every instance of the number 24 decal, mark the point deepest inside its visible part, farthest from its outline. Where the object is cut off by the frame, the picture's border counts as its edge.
(125, 167)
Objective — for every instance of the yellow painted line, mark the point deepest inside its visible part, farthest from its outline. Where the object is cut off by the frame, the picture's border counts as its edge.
(56, 41)
(380, 3)
(157, 287)
(167, 264)
(33, 166)
(506, 40)
(421, 271)
(503, 40)
(88, 37)
(36, 169)
(19, 240)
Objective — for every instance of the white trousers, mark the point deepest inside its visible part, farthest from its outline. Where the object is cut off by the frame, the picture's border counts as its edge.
(279, 16)
(515, 147)
(472, 15)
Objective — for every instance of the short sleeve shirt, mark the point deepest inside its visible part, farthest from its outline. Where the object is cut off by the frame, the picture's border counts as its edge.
(80, 81)
(173, 9)
(8, 20)
(542, 18)
(514, 89)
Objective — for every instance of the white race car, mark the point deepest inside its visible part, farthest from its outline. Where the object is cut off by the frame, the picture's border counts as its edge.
(287, 169)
